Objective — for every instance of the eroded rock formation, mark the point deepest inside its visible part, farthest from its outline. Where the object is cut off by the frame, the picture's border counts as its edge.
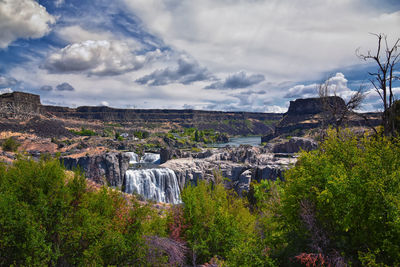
(108, 168)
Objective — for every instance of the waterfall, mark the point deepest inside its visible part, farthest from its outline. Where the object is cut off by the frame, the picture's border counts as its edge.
(150, 158)
(158, 184)
(133, 157)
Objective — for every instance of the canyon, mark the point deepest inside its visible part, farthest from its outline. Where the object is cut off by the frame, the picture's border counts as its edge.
(158, 167)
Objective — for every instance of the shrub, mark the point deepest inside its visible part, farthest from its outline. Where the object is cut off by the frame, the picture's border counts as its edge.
(49, 219)
(343, 200)
(217, 223)
(84, 132)
(10, 144)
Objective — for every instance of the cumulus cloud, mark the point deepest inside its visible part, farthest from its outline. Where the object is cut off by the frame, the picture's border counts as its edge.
(102, 58)
(104, 104)
(337, 85)
(7, 81)
(285, 40)
(23, 19)
(5, 91)
(187, 72)
(65, 87)
(237, 80)
(46, 88)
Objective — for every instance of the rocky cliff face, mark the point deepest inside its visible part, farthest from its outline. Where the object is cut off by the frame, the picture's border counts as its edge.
(240, 165)
(19, 103)
(235, 123)
(309, 113)
(294, 145)
(309, 106)
(109, 168)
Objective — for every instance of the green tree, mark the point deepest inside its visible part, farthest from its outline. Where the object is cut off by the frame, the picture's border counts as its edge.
(49, 218)
(219, 224)
(343, 200)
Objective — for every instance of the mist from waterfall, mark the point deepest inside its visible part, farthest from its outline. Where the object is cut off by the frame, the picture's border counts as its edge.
(158, 184)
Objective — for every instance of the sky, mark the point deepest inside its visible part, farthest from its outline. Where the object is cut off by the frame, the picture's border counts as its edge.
(228, 55)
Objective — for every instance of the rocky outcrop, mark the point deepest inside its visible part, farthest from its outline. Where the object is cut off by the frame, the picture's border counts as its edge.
(109, 168)
(311, 113)
(306, 106)
(240, 165)
(19, 103)
(294, 145)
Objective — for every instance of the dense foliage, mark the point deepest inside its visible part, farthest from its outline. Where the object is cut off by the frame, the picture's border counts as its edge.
(49, 219)
(216, 223)
(340, 205)
(342, 201)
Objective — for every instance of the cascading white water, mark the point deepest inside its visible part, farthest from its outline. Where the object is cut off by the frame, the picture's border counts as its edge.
(150, 158)
(133, 157)
(159, 184)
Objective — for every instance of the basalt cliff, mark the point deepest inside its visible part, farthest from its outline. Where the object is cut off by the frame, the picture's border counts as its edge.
(234, 123)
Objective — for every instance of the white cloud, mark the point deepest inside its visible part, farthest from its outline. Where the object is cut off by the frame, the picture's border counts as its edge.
(104, 103)
(285, 40)
(5, 91)
(100, 58)
(336, 85)
(6, 81)
(22, 19)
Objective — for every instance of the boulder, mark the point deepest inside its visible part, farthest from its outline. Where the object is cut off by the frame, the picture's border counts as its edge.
(294, 145)
(244, 181)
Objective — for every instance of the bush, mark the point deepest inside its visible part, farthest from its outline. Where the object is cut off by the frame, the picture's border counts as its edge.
(10, 144)
(217, 223)
(343, 200)
(141, 134)
(84, 132)
(49, 219)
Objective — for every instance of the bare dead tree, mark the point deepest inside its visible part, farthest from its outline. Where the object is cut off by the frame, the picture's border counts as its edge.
(336, 110)
(320, 242)
(161, 246)
(387, 58)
